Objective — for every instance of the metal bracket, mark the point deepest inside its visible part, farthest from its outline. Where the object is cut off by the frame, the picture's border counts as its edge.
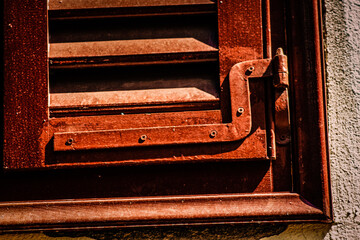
(281, 84)
(238, 129)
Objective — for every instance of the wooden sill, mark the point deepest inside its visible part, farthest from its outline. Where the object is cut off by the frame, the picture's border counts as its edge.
(156, 211)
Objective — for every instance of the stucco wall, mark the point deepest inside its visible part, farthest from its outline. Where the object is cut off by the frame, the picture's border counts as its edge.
(342, 43)
(343, 87)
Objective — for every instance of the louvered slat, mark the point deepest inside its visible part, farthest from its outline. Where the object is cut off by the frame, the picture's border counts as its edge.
(86, 4)
(76, 9)
(91, 38)
(129, 52)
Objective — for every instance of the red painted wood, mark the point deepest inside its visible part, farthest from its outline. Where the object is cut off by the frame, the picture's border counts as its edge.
(25, 83)
(102, 52)
(85, 9)
(188, 173)
(311, 152)
(86, 4)
(238, 129)
(239, 40)
(156, 210)
(129, 98)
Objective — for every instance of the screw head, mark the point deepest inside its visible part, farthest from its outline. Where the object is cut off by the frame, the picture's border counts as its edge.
(213, 133)
(250, 70)
(69, 141)
(240, 110)
(142, 138)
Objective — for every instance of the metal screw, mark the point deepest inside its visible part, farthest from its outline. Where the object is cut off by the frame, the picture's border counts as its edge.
(250, 70)
(69, 141)
(143, 138)
(213, 134)
(240, 110)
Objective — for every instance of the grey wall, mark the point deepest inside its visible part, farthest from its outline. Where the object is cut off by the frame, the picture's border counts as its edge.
(343, 88)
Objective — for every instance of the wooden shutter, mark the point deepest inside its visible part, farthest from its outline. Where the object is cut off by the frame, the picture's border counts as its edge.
(173, 112)
(155, 73)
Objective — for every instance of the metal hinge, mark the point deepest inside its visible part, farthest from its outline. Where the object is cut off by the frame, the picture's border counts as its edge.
(281, 84)
(237, 129)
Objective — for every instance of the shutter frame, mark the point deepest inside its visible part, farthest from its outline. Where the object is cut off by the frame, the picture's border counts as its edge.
(26, 122)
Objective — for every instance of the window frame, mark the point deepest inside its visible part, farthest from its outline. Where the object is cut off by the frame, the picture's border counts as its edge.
(309, 201)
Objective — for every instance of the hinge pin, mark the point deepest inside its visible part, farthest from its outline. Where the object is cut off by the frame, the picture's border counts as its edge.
(281, 78)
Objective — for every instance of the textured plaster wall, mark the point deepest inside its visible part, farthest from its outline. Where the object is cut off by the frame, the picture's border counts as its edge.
(342, 45)
(343, 87)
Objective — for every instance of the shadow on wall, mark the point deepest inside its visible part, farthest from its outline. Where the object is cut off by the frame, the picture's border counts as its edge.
(303, 231)
(247, 231)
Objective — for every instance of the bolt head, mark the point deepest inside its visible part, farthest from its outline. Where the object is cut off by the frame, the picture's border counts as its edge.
(213, 133)
(69, 141)
(240, 110)
(250, 70)
(142, 138)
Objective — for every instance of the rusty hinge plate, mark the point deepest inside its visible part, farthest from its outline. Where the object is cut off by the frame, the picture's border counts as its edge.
(237, 129)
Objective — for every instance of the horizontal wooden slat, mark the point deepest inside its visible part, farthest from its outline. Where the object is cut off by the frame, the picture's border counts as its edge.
(85, 9)
(89, 111)
(127, 47)
(156, 210)
(130, 98)
(108, 52)
(86, 4)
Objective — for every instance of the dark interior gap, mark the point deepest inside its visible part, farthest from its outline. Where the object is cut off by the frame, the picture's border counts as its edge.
(199, 75)
(201, 27)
